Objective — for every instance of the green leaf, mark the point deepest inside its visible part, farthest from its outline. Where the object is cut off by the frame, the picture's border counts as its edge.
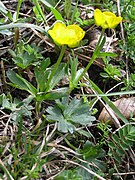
(124, 145)
(74, 65)
(54, 114)
(73, 105)
(75, 112)
(75, 75)
(62, 103)
(104, 75)
(55, 94)
(117, 157)
(132, 131)
(78, 73)
(21, 83)
(120, 151)
(3, 8)
(108, 54)
(58, 75)
(64, 126)
(120, 132)
(67, 8)
(115, 138)
(57, 15)
(48, 3)
(6, 32)
(24, 61)
(6, 104)
(2, 96)
(112, 145)
(78, 112)
(91, 152)
(40, 10)
(41, 74)
(54, 11)
(83, 119)
(25, 55)
(85, 133)
(69, 174)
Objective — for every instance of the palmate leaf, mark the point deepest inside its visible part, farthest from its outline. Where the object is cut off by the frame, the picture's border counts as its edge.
(75, 112)
(56, 115)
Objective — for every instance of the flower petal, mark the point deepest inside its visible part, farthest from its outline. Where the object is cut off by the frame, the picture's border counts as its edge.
(99, 17)
(106, 19)
(70, 35)
(58, 33)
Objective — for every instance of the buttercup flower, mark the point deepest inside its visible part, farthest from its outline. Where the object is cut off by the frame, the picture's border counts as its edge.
(106, 19)
(70, 35)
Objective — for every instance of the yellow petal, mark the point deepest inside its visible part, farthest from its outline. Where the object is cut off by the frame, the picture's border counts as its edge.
(70, 35)
(75, 34)
(106, 19)
(58, 33)
(99, 17)
(116, 21)
(109, 14)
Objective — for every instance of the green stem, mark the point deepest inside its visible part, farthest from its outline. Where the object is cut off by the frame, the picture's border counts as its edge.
(55, 67)
(38, 107)
(69, 144)
(94, 56)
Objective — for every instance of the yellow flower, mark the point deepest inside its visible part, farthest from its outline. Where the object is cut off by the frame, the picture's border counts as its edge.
(70, 35)
(106, 19)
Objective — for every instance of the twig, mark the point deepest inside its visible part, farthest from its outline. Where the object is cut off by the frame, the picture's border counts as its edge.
(3, 74)
(121, 25)
(5, 170)
(88, 170)
(123, 38)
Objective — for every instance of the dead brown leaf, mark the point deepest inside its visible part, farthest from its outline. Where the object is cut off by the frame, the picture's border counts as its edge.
(125, 105)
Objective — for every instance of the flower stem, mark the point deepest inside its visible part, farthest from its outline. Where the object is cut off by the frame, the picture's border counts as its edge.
(95, 54)
(38, 107)
(55, 67)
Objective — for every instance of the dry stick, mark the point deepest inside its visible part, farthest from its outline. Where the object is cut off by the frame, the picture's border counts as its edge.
(58, 173)
(121, 25)
(3, 74)
(123, 174)
(123, 38)
(88, 170)
(5, 170)
(52, 133)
